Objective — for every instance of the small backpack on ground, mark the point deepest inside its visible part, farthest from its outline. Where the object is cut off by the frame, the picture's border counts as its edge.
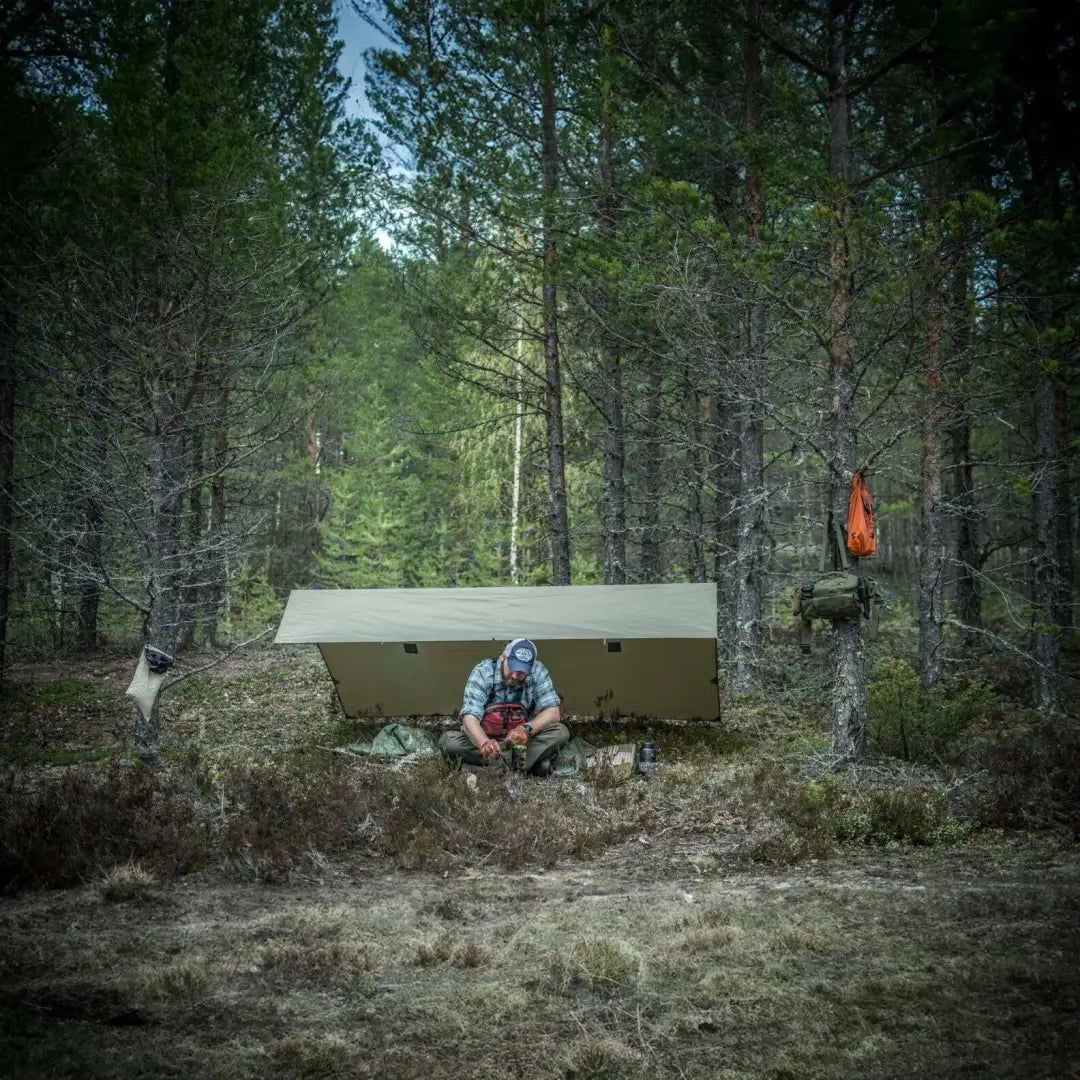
(836, 595)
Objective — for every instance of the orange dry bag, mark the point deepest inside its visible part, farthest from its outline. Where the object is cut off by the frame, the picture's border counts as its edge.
(860, 519)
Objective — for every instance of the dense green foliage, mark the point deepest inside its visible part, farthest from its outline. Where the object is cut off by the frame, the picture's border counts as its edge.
(630, 246)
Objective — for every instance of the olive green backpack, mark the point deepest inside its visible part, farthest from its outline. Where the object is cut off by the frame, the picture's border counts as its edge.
(836, 595)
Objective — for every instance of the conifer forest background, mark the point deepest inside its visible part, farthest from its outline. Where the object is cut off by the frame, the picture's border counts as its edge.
(596, 293)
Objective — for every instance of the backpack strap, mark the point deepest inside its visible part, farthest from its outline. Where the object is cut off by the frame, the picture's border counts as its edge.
(833, 533)
(875, 608)
(841, 544)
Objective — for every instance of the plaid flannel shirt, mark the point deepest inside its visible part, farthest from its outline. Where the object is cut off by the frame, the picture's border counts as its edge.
(485, 686)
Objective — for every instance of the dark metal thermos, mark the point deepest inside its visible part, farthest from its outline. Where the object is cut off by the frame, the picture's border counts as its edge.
(647, 758)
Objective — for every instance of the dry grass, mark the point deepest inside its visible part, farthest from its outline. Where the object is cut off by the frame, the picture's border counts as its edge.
(262, 907)
(885, 969)
(131, 880)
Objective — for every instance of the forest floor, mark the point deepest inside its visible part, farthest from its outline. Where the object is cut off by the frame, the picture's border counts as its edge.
(674, 927)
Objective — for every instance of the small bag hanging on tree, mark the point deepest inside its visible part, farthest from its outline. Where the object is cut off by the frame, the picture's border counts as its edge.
(861, 540)
(835, 595)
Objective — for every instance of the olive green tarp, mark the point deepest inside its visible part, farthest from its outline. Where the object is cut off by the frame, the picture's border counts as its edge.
(647, 650)
(400, 741)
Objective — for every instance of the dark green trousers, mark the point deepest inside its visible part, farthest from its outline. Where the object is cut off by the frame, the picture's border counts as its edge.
(544, 744)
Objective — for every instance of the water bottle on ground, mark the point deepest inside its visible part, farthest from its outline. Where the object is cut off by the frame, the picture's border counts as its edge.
(647, 759)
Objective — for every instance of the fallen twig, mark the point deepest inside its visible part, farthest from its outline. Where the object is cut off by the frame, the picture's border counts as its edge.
(213, 663)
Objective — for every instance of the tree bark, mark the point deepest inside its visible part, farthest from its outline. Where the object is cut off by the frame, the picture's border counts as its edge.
(193, 571)
(1047, 586)
(1064, 617)
(727, 465)
(217, 575)
(967, 591)
(849, 685)
(652, 564)
(93, 533)
(1046, 206)
(519, 433)
(558, 524)
(750, 543)
(163, 575)
(613, 440)
(694, 525)
(612, 435)
(931, 541)
(7, 471)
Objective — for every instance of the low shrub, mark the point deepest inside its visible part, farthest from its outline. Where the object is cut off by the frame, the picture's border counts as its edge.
(58, 695)
(814, 817)
(277, 820)
(875, 815)
(915, 724)
(57, 831)
(1028, 769)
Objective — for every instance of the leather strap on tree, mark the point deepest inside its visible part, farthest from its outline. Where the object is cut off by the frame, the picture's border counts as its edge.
(833, 532)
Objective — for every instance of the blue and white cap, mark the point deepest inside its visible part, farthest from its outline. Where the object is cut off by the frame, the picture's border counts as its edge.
(520, 655)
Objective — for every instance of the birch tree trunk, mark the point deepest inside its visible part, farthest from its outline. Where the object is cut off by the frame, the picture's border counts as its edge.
(849, 679)
(613, 435)
(750, 543)
(558, 524)
(519, 434)
(931, 541)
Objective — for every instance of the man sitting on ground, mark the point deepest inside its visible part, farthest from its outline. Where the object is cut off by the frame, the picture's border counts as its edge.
(509, 702)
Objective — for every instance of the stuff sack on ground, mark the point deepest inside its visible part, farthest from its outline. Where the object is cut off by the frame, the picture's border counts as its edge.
(575, 759)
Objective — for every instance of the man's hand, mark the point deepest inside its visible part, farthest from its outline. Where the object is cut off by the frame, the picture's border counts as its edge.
(490, 748)
(517, 736)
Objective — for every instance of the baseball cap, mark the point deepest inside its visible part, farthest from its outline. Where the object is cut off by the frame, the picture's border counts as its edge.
(520, 654)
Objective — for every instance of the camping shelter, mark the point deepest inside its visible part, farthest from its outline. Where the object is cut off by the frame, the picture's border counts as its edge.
(629, 649)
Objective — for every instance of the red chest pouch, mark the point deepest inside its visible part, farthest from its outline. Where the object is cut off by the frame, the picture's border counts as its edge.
(500, 718)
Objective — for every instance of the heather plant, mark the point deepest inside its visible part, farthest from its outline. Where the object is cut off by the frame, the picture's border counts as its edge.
(59, 830)
(277, 819)
(1028, 773)
(798, 815)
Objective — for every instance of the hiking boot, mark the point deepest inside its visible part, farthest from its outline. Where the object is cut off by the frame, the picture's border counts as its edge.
(542, 767)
